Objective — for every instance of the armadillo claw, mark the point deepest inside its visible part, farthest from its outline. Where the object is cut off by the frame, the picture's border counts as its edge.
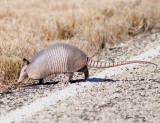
(85, 80)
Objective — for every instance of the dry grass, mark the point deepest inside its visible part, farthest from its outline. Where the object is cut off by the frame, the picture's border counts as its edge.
(28, 26)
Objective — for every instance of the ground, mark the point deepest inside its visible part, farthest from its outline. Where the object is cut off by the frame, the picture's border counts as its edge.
(131, 96)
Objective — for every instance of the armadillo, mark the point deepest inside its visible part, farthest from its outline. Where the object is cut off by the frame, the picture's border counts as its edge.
(62, 58)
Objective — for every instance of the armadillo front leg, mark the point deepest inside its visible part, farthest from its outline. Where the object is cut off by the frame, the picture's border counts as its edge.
(40, 81)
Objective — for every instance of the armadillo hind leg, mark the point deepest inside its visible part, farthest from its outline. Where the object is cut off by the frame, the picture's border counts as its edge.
(85, 71)
(86, 74)
(70, 76)
(66, 81)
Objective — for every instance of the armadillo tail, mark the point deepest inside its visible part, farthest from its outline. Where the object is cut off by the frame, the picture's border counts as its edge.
(96, 64)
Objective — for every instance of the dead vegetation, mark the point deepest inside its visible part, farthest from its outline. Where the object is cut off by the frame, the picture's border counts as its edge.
(28, 26)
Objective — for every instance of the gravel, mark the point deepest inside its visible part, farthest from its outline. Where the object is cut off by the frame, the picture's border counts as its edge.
(133, 96)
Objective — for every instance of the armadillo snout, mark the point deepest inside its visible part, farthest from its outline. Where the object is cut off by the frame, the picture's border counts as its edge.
(21, 78)
(23, 74)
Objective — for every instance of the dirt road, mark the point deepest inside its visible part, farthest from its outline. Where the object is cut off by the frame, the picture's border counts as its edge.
(123, 94)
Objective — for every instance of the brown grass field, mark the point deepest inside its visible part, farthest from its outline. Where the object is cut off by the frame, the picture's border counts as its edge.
(27, 26)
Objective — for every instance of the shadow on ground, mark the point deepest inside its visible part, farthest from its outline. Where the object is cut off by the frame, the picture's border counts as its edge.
(79, 81)
(82, 80)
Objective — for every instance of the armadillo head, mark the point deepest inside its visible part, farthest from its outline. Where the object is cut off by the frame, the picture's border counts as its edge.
(23, 74)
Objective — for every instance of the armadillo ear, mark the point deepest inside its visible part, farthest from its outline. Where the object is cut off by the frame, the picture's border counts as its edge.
(25, 61)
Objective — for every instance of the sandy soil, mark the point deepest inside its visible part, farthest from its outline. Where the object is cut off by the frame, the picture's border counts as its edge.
(134, 96)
